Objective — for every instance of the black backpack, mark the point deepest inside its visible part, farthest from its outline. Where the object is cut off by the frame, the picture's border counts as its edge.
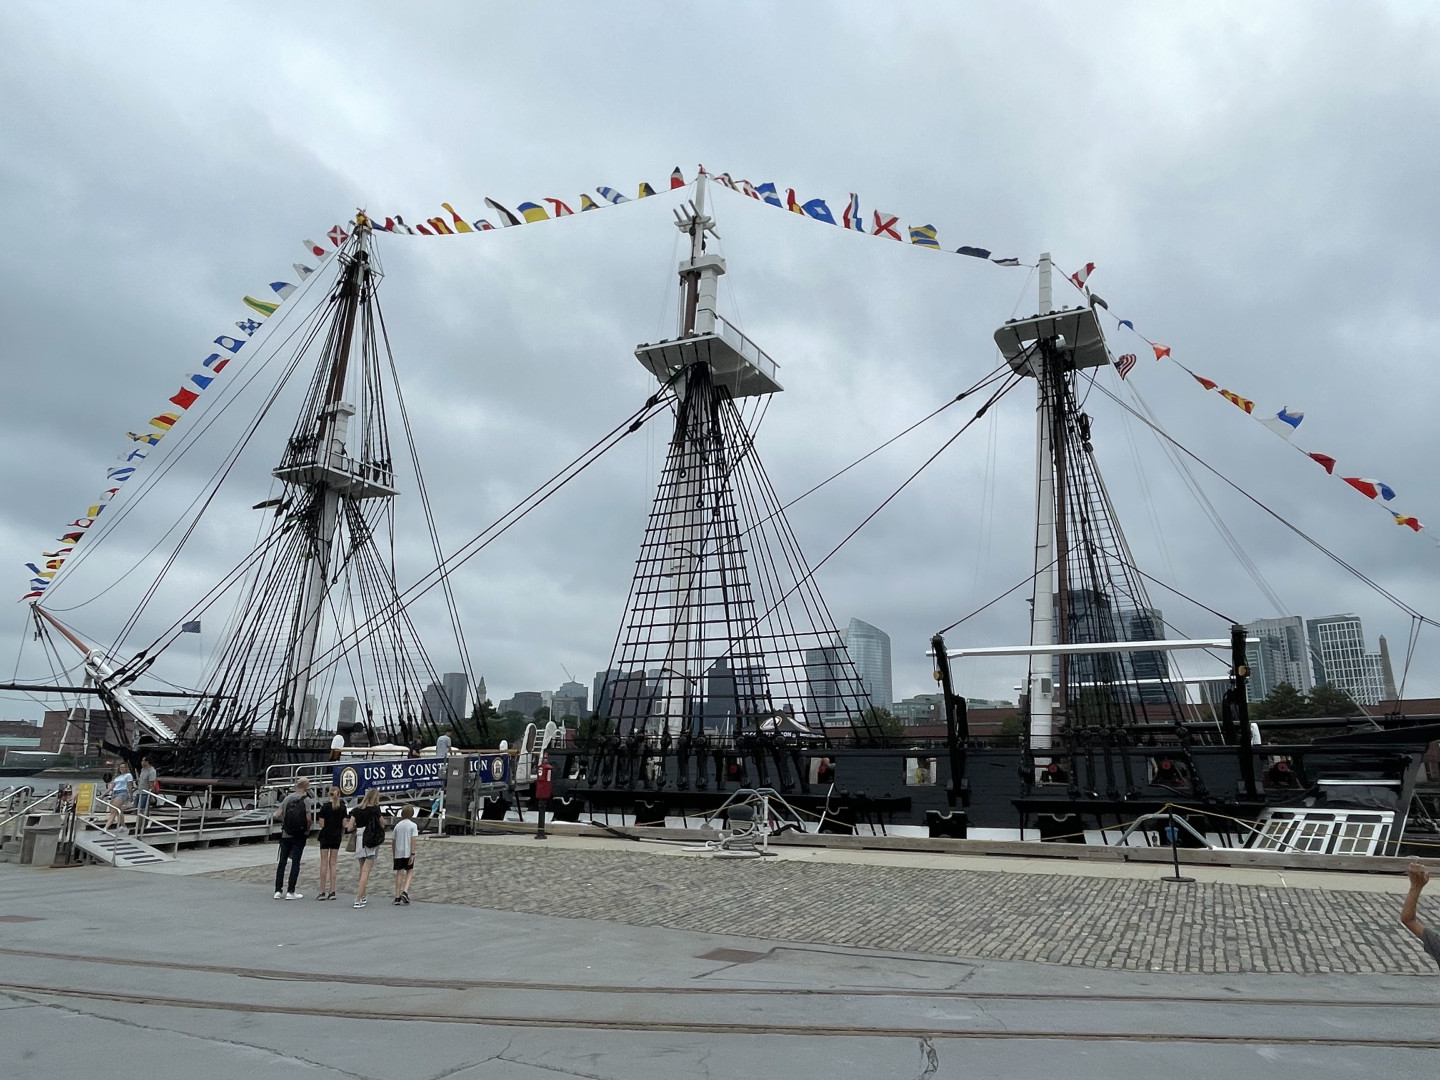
(294, 819)
(374, 834)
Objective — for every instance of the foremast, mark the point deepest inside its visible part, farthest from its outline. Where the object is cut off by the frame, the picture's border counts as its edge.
(322, 473)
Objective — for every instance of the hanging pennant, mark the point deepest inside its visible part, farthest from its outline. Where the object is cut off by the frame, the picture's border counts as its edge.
(769, 193)
(1237, 400)
(885, 225)
(1283, 423)
(505, 215)
(461, 225)
(924, 236)
(1370, 488)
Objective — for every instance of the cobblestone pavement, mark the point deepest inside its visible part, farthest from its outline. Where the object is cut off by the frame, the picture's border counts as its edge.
(1135, 925)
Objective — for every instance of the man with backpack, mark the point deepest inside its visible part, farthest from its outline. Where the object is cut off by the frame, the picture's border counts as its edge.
(293, 813)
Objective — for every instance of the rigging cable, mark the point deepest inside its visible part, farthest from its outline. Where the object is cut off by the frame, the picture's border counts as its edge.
(984, 382)
(1231, 541)
(1348, 567)
(169, 462)
(497, 528)
(1009, 385)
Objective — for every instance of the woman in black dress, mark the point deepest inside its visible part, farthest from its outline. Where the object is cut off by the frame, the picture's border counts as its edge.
(331, 814)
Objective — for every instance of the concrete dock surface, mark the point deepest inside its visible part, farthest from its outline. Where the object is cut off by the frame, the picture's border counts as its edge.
(583, 957)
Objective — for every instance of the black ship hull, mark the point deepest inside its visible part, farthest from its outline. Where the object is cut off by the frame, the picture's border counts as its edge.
(842, 789)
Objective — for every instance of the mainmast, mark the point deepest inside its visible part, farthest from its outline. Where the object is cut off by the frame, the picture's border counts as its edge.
(711, 638)
(684, 524)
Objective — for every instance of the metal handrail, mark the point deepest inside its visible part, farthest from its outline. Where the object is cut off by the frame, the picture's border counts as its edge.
(22, 812)
(156, 796)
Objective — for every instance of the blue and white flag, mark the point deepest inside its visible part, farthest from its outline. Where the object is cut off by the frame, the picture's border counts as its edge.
(1284, 422)
(817, 209)
(769, 194)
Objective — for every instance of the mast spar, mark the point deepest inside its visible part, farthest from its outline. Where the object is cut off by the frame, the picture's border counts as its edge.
(712, 640)
(1086, 587)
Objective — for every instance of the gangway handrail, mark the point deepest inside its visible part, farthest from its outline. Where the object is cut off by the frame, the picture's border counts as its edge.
(1169, 818)
(22, 812)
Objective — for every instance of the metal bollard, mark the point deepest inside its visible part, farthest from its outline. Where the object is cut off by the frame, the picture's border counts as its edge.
(1175, 852)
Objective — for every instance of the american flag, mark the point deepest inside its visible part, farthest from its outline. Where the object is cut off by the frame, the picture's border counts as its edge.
(1124, 363)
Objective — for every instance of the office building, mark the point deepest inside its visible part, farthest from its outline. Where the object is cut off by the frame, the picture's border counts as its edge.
(869, 649)
(309, 714)
(920, 709)
(570, 702)
(457, 690)
(600, 695)
(1338, 656)
(826, 682)
(435, 706)
(526, 702)
(1282, 655)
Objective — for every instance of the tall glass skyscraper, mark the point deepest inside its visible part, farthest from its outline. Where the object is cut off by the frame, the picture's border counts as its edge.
(869, 649)
(1281, 655)
(1337, 651)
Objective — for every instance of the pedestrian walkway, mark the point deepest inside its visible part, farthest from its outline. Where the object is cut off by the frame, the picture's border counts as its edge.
(610, 981)
(1118, 918)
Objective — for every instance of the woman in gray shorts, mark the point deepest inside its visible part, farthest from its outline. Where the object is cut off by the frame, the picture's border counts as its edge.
(363, 820)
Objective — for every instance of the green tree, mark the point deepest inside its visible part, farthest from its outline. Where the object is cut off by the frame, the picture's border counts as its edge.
(510, 726)
(1329, 700)
(1282, 703)
(1010, 731)
(878, 720)
(478, 730)
(593, 727)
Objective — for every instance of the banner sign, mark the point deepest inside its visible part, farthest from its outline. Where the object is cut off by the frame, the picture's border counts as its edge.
(416, 774)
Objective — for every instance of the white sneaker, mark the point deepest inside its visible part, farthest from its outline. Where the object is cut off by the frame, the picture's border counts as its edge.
(279, 896)
(294, 896)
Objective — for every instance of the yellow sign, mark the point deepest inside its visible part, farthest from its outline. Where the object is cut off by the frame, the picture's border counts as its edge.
(84, 795)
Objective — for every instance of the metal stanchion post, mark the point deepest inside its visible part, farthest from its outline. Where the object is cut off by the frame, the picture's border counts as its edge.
(540, 805)
(1175, 851)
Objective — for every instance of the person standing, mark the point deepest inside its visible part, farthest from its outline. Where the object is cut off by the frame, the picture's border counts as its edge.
(404, 851)
(293, 813)
(365, 820)
(1429, 937)
(118, 796)
(442, 750)
(145, 785)
(331, 814)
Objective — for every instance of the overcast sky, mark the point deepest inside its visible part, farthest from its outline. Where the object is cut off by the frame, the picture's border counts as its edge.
(1256, 184)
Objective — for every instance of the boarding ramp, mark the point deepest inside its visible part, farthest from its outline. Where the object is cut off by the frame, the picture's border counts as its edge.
(126, 852)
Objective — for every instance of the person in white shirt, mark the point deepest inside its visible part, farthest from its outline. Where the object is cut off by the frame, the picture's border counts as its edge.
(404, 844)
(118, 795)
